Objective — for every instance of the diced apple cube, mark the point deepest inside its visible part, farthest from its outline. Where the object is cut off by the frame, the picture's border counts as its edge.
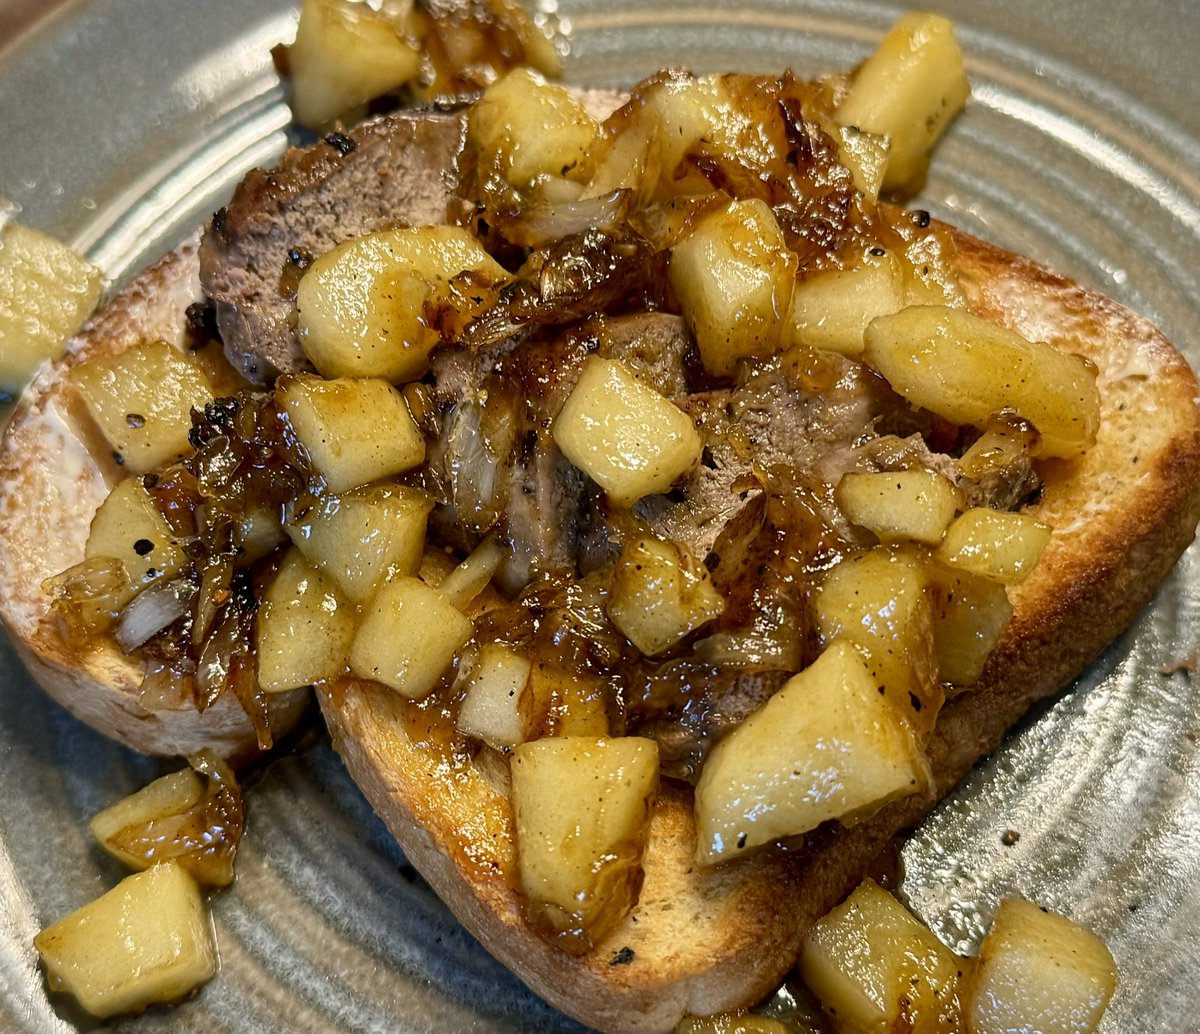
(581, 810)
(881, 601)
(129, 528)
(831, 309)
(828, 745)
(365, 537)
(408, 637)
(914, 505)
(172, 794)
(970, 615)
(499, 706)
(876, 969)
(305, 627)
(179, 818)
(147, 940)
(734, 276)
(660, 593)
(346, 53)
(1039, 972)
(361, 306)
(908, 91)
(866, 156)
(46, 292)
(533, 129)
(994, 544)
(967, 370)
(624, 435)
(354, 431)
(142, 399)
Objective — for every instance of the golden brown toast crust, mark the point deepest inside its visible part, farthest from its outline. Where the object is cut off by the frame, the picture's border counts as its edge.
(701, 940)
(710, 940)
(50, 486)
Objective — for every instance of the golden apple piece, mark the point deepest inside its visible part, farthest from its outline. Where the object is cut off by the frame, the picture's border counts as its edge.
(47, 290)
(346, 53)
(828, 745)
(128, 527)
(193, 817)
(994, 544)
(908, 91)
(142, 399)
(172, 794)
(866, 156)
(660, 593)
(967, 370)
(881, 601)
(354, 431)
(149, 939)
(581, 810)
(408, 637)
(1040, 972)
(733, 275)
(304, 627)
(970, 615)
(365, 537)
(499, 706)
(831, 308)
(361, 307)
(624, 435)
(876, 969)
(533, 129)
(902, 505)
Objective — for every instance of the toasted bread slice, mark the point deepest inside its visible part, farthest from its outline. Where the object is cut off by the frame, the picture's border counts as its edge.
(52, 481)
(706, 940)
(699, 940)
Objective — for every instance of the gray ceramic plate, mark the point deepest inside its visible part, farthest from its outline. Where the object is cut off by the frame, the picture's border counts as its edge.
(124, 122)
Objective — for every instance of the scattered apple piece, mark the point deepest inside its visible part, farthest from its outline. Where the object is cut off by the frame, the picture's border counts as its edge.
(147, 940)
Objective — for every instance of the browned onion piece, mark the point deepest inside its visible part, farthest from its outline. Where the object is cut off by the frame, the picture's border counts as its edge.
(542, 222)
(87, 596)
(151, 611)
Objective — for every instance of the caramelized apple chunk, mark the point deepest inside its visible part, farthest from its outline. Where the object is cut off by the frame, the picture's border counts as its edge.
(624, 435)
(142, 399)
(147, 940)
(353, 430)
(581, 810)
(828, 745)
(968, 370)
(46, 292)
(1039, 971)
(876, 969)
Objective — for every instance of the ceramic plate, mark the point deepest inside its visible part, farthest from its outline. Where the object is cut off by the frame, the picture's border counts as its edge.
(125, 122)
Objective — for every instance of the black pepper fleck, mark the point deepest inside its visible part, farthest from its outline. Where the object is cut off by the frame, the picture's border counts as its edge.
(143, 546)
(622, 957)
(340, 143)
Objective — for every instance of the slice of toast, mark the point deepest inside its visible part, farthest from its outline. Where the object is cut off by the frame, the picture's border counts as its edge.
(707, 940)
(698, 941)
(52, 481)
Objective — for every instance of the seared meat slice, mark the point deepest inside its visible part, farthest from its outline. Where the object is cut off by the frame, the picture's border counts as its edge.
(797, 411)
(494, 463)
(397, 171)
(717, 702)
